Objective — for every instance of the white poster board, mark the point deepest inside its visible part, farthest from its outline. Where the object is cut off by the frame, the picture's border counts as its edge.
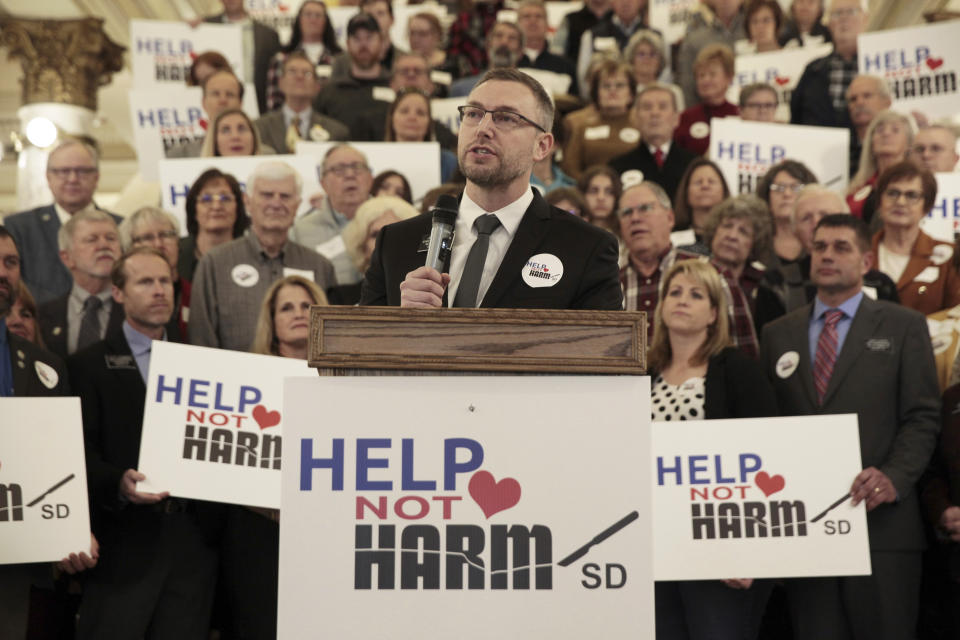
(525, 516)
(419, 162)
(669, 17)
(165, 117)
(746, 150)
(178, 174)
(757, 498)
(943, 220)
(161, 52)
(920, 64)
(44, 514)
(212, 424)
(780, 69)
(445, 112)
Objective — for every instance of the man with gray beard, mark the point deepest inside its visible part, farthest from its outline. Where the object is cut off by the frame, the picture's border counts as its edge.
(511, 248)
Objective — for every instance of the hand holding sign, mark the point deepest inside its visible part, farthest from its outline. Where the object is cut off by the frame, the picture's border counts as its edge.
(75, 563)
(950, 522)
(128, 489)
(874, 486)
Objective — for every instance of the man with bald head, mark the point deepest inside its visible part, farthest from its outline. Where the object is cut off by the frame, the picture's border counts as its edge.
(935, 147)
(72, 174)
(866, 97)
(813, 203)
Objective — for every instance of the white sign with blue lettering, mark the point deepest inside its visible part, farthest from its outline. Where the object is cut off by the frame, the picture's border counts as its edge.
(670, 17)
(44, 513)
(165, 117)
(508, 510)
(161, 52)
(920, 64)
(213, 424)
(758, 498)
(780, 69)
(943, 221)
(746, 150)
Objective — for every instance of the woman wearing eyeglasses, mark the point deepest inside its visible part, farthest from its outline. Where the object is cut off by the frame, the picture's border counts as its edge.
(779, 189)
(215, 215)
(604, 130)
(923, 268)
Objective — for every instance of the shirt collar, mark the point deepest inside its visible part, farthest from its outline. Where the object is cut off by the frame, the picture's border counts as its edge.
(848, 306)
(289, 114)
(509, 215)
(258, 248)
(665, 147)
(64, 215)
(139, 343)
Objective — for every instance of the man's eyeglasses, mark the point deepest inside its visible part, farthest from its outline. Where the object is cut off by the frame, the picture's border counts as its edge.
(646, 207)
(502, 119)
(341, 169)
(150, 238)
(222, 198)
(786, 188)
(64, 172)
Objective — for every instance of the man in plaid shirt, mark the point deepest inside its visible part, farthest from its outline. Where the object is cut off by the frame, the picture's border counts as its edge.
(820, 96)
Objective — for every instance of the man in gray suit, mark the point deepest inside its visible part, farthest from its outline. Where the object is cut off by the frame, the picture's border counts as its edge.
(296, 120)
(72, 175)
(846, 353)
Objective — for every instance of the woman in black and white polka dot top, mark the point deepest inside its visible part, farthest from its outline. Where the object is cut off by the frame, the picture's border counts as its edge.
(696, 375)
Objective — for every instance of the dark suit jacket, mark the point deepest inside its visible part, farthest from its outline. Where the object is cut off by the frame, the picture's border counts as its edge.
(273, 131)
(266, 43)
(674, 166)
(35, 232)
(26, 379)
(810, 102)
(589, 256)
(52, 317)
(884, 373)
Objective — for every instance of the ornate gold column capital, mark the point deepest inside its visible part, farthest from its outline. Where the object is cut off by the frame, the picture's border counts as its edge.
(63, 61)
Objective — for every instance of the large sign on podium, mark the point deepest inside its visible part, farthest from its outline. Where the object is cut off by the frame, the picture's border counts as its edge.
(466, 507)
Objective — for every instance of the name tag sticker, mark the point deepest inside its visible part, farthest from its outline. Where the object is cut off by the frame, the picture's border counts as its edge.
(542, 270)
(605, 44)
(884, 345)
(332, 247)
(930, 274)
(245, 275)
(120, 362)
(597, 133)
(305, 273)
(787, 364)
(385, 94)
(47, 374)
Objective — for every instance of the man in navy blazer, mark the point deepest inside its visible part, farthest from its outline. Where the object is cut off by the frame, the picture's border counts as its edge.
(538, 255)
(656, 116)
(72, 174)
(884, 372)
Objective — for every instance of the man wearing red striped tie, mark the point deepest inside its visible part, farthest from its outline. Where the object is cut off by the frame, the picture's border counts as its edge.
(847, 353)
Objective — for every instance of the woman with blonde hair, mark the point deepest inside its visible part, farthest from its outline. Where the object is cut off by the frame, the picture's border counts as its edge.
(887, 141)
(698, 375)
(360, 236)
(283, 325)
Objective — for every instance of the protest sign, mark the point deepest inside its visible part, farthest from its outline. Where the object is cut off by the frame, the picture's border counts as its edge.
(758, 498)
(44, 513)
(669, 17)
(212, 424)
(161, 52)
(472, 506)
(780, 69)
(943, 220)
(746, 150)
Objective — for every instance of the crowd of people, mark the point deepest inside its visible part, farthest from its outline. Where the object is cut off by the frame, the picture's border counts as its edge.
(611, 176)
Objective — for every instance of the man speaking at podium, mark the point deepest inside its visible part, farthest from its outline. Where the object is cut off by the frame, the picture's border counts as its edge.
(510, 248)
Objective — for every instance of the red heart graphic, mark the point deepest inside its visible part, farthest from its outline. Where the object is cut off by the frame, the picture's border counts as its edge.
(265, 418)
(283, 8)
(193, 55)
(493, 496)
(780, 80)
(933, 63)
(769, 484)
(204, 124)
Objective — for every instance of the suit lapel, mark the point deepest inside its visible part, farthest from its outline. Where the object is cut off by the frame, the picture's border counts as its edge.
(22, 383)
(864, 325)
(525, 241)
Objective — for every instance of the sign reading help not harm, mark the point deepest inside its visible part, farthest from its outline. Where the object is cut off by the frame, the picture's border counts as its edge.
(757, 498)
(213, 424)
(745, 151)
(162, 52)
(919, 63)
(43, 480)
(466, 507)
(943, 220)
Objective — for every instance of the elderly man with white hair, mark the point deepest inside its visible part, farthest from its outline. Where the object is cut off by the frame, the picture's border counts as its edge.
(231, 279)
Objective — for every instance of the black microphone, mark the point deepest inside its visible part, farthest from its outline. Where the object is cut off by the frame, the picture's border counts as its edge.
(441, 233)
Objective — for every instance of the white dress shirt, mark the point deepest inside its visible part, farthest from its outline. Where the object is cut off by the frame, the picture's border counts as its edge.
(500, 239)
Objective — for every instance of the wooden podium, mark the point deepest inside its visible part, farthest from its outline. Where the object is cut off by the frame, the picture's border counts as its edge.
(381, 340)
